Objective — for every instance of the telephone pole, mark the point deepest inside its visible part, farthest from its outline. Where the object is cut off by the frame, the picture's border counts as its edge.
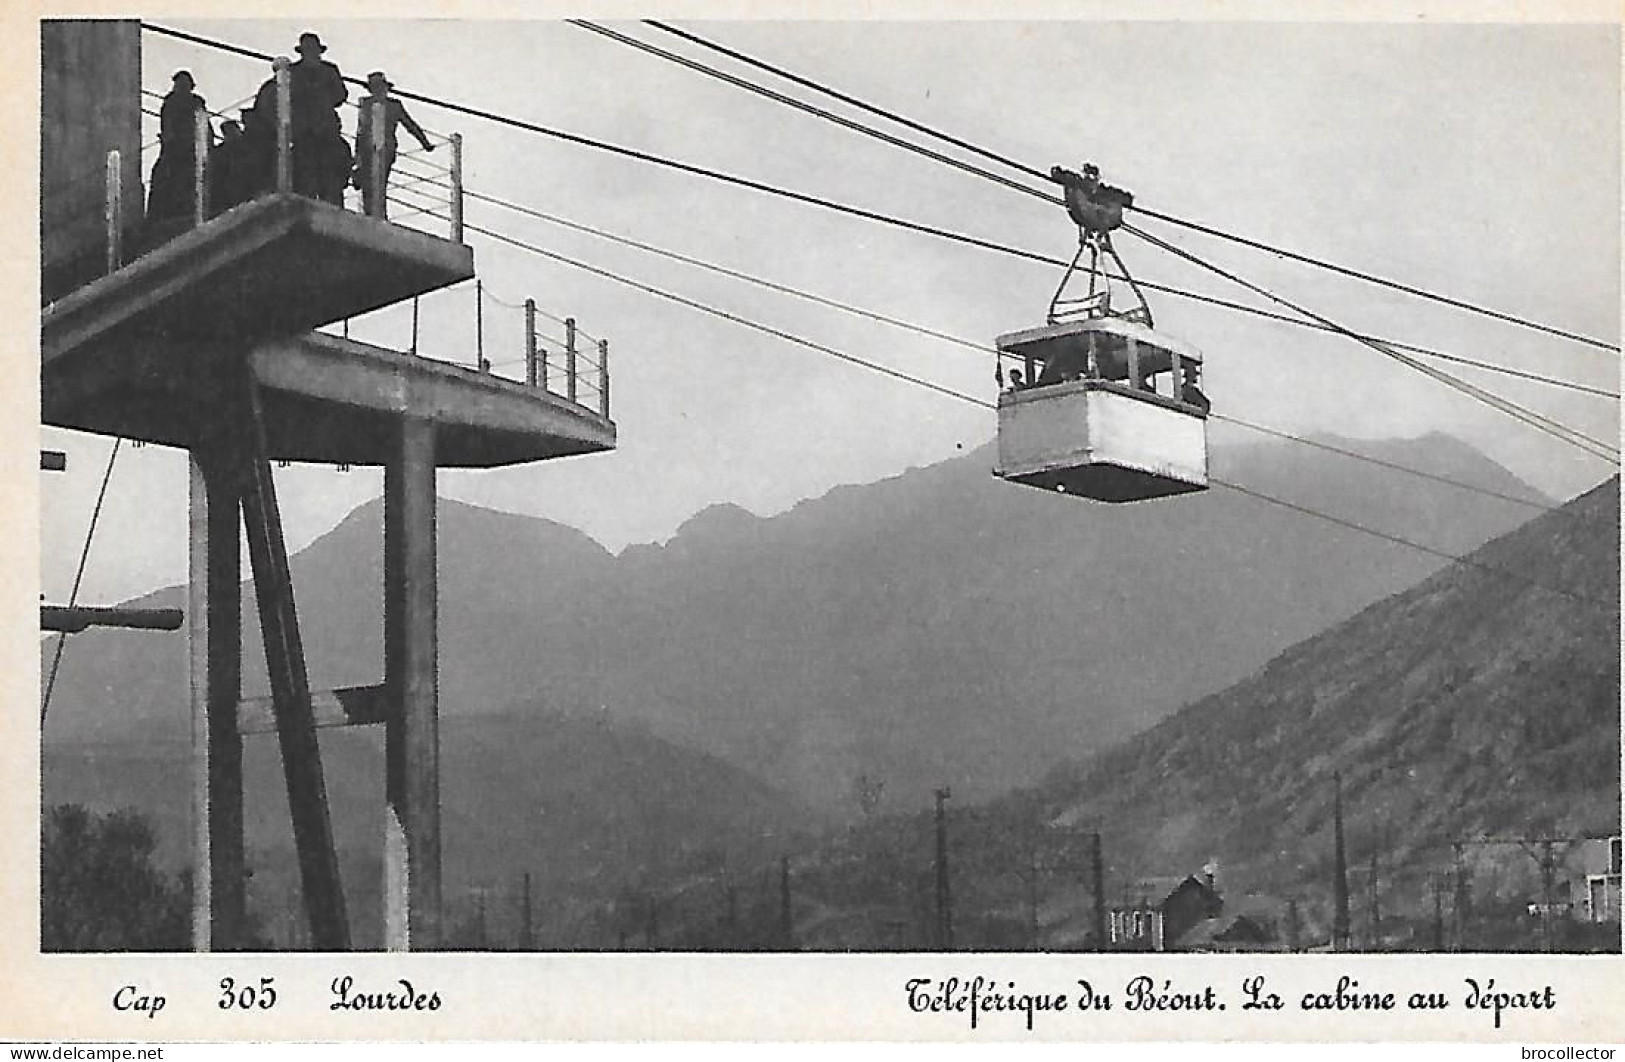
(1097, 871)
(945, 910)
(787, 930)
(1438, 913)
(527, 941)
(1340, 876)
(1032, 897)
(1372, 910)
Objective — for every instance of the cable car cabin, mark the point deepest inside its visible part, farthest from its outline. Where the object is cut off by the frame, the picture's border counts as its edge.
(1109, 410)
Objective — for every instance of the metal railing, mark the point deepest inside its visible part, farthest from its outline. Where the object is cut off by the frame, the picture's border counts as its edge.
(506, 339)
(424, 194)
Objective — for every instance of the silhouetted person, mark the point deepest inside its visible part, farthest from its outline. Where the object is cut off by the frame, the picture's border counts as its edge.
(172, 188)
(228, 169)
(1192, 395)
(1016, 383)
(258, 175)
(321, 158)
(394, 114)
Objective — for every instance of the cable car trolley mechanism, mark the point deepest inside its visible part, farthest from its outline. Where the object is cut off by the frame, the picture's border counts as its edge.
(1104, 406)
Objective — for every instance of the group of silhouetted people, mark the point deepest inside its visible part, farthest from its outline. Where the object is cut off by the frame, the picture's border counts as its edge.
(242, 163)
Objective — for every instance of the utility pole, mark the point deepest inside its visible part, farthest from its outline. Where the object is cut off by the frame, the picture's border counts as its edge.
(527, 940)
(1340, 877)
(1097, 870)
(1438, 913)
(1548, 872)
(1372, 909)
(1032, 897)
(1459, 904)
(787, 930)
(945, 910)
(731, 920)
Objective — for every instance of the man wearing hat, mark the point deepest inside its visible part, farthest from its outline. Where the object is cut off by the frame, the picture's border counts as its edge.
(172, 186)
(321, 158)
(379, 106)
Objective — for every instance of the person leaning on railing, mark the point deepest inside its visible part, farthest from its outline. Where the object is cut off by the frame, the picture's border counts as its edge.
(394, 114)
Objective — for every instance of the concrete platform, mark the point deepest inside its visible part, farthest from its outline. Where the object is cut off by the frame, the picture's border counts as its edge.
(327, 400)
(278, 266)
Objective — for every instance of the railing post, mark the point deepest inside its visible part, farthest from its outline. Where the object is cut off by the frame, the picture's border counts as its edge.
(479, 325)
(200, 166)
(570, 358)
(115, 211)
(457, 187)
(603, 377)
(284, 125)
(376, 175)
(414, 325)
(530, 342)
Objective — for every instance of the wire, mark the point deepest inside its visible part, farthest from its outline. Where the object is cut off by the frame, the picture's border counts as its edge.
(1399, 540)
(1370, 278)
(728, 316)
(1223, 303)
(1356, 455)
(951, 393)
(972, 345)
(79, 576)
(801, 105)
(695, 38)
(1034, 172)
(1545, 424)
(828, 204)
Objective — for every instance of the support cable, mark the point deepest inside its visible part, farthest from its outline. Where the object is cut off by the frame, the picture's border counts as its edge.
(802, 105)
(1551, 427)
(79, 576)
(744, 182)
(1032, 171)
(982, 348)
(1317, 326)
(961, 396)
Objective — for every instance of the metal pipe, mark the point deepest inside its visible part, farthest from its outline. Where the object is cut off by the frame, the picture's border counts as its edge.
(530, 342)
(570, 358)
(284, 125)
(603, 377)
(115, 210)
(457, 187)
(200, 166)
(479, 324)
(377, 177)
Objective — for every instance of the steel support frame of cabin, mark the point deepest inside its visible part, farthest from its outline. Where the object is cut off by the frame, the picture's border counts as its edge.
(204, 343)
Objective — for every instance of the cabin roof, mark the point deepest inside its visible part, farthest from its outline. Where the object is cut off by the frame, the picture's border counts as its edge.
(1018, 342)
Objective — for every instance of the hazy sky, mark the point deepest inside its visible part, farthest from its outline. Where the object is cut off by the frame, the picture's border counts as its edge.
(1481, 161)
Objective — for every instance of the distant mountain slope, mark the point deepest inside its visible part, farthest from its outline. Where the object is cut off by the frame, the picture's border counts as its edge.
(585, 806)
(937, 627)
(1476, 703)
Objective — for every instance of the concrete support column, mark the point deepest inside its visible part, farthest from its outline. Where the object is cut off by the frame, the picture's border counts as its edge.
(411, 675)
(215, 660)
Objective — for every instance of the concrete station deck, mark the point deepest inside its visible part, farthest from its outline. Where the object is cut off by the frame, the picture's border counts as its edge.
(331, 400)
(277, 266)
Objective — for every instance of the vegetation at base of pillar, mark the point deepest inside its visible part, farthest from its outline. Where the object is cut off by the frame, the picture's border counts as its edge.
(100, 889)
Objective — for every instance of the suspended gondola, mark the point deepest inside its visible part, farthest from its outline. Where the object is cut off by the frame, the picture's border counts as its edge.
(1104, 406)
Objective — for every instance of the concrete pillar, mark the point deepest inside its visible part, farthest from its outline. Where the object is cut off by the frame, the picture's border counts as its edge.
(215, 661)
(411, 674)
